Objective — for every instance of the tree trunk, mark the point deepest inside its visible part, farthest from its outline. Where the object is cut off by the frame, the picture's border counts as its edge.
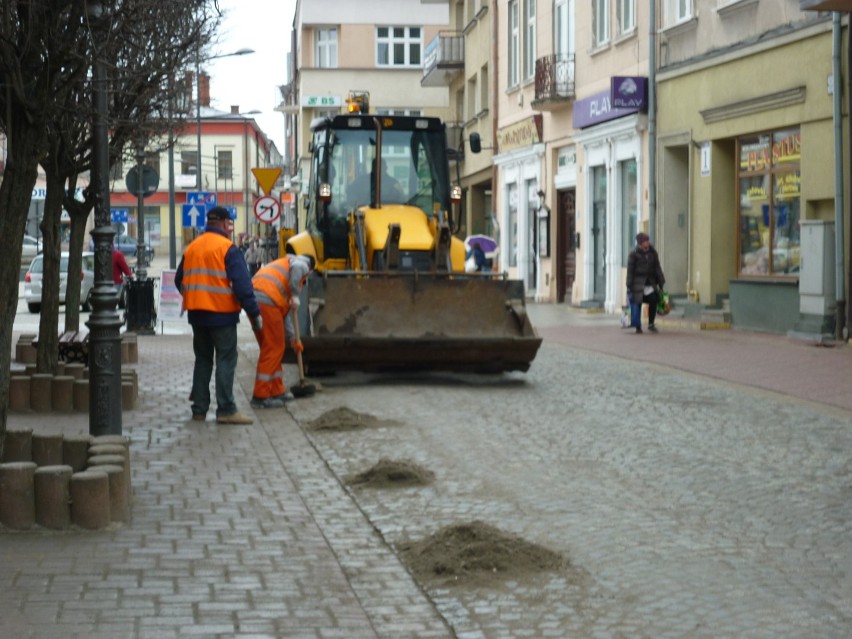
(15, 194)
(48, 335)
(79, 213)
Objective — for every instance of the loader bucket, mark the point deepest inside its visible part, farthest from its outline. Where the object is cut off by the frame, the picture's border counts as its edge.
(416, 321)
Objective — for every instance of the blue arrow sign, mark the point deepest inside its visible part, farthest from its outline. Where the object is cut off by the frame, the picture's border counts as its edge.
(194, 216)
(120, 215)
(206, 199)
(233, 211)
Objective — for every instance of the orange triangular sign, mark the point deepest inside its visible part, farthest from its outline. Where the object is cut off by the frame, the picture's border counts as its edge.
(266, 178)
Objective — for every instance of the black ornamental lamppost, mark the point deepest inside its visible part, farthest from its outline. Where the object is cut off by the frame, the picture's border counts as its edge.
(104, 323)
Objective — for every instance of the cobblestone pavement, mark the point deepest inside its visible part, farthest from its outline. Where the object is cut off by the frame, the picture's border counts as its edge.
(687, 506)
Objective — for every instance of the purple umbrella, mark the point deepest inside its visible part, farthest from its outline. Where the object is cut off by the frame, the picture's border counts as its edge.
(487, 244)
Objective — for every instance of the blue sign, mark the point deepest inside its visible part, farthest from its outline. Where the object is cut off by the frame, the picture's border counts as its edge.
(206, 199)
(120, 215)
(194, 216)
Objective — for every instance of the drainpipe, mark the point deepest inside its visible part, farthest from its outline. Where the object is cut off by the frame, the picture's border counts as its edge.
(652, 122)
(495, 93)
(839, 281)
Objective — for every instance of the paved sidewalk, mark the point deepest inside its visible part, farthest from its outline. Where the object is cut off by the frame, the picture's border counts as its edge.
(809, 371)
(223, 541)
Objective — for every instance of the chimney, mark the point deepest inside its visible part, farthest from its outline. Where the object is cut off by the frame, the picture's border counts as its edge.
(235, 109)
(204, 83)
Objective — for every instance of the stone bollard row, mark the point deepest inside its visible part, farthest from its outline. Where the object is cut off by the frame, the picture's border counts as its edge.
(56, 481)
(44, 393)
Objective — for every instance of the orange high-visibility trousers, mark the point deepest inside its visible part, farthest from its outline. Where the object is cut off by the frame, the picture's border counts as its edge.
(269, 378)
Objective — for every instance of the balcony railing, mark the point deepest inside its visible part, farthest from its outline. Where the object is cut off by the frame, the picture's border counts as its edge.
(554, 80)
(443, 59)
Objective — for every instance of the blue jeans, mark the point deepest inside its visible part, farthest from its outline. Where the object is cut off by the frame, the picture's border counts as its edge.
(208, 341)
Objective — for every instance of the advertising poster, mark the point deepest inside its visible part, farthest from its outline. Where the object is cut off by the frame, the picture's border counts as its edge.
(171, 301)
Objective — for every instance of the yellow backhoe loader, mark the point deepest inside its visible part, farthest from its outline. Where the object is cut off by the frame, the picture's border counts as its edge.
(390, 290)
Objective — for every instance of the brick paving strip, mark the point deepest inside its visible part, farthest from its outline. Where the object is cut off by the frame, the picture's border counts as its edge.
(221, 542)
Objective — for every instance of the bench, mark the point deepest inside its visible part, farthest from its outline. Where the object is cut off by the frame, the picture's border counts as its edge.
(74, 347)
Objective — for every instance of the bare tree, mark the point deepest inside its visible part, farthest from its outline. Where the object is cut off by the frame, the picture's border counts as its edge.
(46, 51)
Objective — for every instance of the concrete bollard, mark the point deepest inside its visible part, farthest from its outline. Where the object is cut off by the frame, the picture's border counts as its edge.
(128, 399)
(118, 504)
(24, 342)
(132, 347)
(53, 496)
(75, 451)
(63, 393)
(75, 370)
(47, 449)
(27, 354)
(125, 351)
(90, 499)
(60, 368)
(81, 395)
(19, 393)
(17, 495)
(41, 385)
(18, 446)
(100, 457)
(30, 369)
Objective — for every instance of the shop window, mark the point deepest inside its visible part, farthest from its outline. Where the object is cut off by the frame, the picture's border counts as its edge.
(512, 199)
(768, 212)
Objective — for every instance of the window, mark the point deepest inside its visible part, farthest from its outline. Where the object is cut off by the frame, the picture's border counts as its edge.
(398, 46)
(188, 162)
(564, 28)
(628, 183)
(116, 171)
(152, 159)
(529, 39)
(225, 164)
(512, 199)
(484, 97)
(676, 11)
(600, 22)
(769, 203)
(472, 94)
(326, 48)
(626, 16)
(514, 44)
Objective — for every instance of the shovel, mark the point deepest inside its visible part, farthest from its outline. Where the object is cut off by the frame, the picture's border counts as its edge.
(302, 389)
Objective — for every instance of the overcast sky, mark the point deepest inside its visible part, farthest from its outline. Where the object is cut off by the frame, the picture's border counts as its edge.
(252, 81)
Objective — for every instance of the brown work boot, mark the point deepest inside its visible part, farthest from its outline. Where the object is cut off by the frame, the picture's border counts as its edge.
(234, 418)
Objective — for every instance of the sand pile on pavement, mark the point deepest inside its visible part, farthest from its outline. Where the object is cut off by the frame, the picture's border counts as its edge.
(392, 473)
(344, 418)
(476, 553)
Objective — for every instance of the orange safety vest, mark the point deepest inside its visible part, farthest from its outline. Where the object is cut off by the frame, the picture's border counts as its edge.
(206, 286)
(272, 284)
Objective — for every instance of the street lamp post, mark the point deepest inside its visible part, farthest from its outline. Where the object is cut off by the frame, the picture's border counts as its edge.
(104, 323)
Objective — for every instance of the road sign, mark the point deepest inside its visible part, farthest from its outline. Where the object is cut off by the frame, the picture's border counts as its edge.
(266, 178)
(120, 215)
(207, 199)
(147, 185)
(267, 209)
(194, 216)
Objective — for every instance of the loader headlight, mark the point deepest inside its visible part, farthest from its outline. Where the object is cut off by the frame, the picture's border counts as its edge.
(325, 192)
(455, 194)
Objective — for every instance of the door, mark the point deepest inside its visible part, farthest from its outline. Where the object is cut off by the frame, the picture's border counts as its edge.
(599, 207)
(566, 249)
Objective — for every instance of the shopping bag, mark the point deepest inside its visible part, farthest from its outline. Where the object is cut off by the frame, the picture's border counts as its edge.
(664, 305)
(626, 320)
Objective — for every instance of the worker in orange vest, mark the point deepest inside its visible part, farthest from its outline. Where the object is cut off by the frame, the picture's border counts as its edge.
(276, 287)
(214, 281)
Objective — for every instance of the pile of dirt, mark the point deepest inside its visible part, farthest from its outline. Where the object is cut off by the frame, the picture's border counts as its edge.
(392, 473)
(343, 418)
(476, 553)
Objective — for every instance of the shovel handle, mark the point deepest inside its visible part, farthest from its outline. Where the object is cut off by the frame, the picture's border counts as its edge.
(298, 339)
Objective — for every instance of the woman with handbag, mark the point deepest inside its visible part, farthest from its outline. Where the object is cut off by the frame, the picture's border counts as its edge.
(645, 281)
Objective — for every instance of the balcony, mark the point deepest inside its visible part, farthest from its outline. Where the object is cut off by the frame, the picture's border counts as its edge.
(443, 59)
(554, 82)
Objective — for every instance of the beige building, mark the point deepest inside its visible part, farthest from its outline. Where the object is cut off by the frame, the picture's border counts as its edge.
(342, 46)
(746, 177)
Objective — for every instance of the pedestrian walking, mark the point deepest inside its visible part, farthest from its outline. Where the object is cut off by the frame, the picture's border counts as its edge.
(215, 284)
(645, 282)
(253, 259)
(276, 287)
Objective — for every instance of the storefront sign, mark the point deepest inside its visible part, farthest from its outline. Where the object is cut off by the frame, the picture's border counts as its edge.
(597, 109)
(521, 134)
(321, 101)
(629, 92)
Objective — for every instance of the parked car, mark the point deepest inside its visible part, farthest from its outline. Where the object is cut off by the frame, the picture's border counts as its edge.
(31, 248)
(127, 245)
(32, 281)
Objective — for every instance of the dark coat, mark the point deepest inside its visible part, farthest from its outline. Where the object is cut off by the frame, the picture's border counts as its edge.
(643, 268)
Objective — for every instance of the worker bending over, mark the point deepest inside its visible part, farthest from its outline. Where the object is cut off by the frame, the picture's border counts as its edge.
(276, 287)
